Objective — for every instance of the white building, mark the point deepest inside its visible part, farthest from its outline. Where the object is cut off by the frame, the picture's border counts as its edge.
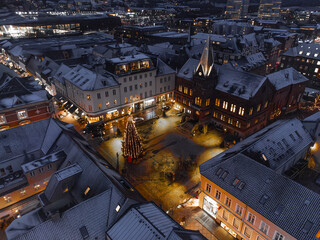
(130, 84)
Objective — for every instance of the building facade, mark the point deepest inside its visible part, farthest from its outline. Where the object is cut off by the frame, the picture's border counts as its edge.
(236, 9)
(305, 58)
(236, 101)
(269, 9)
(246, 189)
(22, 101)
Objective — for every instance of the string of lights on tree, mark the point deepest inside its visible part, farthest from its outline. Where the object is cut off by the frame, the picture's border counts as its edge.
(132, 143)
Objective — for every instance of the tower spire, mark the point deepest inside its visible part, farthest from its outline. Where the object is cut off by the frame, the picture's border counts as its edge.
(207, 60)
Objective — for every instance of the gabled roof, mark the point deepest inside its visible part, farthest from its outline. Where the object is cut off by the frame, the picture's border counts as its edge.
(239, 83)
(307, 50)
(163, 69)
(90, 214)
(286, 77)
(87, 80)
(282, 201)
(188, 69)
(16, 92)
(144, 221)
(61, 71)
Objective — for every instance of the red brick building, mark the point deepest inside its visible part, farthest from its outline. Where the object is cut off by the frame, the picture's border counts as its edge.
(238, 102)
(22, 101)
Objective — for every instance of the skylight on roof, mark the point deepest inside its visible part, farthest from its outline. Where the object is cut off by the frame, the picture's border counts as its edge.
(279, 209)
(241, 185)
(307, 226)
(264, 199)
(224, 175)
(235, 182)
(219, 171)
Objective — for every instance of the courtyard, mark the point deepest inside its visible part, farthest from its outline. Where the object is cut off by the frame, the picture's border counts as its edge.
(168, 172)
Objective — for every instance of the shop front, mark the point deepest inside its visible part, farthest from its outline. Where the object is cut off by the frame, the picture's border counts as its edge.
(210, 206)
(149, 103)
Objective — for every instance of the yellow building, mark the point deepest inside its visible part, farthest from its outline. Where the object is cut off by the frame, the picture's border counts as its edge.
(251, 197)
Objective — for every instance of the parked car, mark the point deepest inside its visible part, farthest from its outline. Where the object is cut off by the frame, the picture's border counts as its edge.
(138, 119)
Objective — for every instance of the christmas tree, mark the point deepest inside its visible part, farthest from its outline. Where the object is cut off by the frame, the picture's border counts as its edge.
(132, 143)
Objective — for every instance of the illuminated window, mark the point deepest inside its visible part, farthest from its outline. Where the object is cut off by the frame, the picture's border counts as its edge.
(99, 106)
(316, 70)
(308, 53)
(107, 104)
(115, 101)
(318, 63)
(22, 114)
(208, 102)
(300, 52)
(198, 101)
(238, 124)
(185, 90)
(251, 218)
(2, 119)
(87, 191)
(217, 102)
(208, 188)
(180, 88)
(89, 97)
(215, 114)
(233, 108)
(266, 104)
(190, 92)
(125, 100)
(7, 198)
(23, 192)
(118, 208)
(225, 105)
(258, 107)
(36, 187)
(241, 111)
(316, 54)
